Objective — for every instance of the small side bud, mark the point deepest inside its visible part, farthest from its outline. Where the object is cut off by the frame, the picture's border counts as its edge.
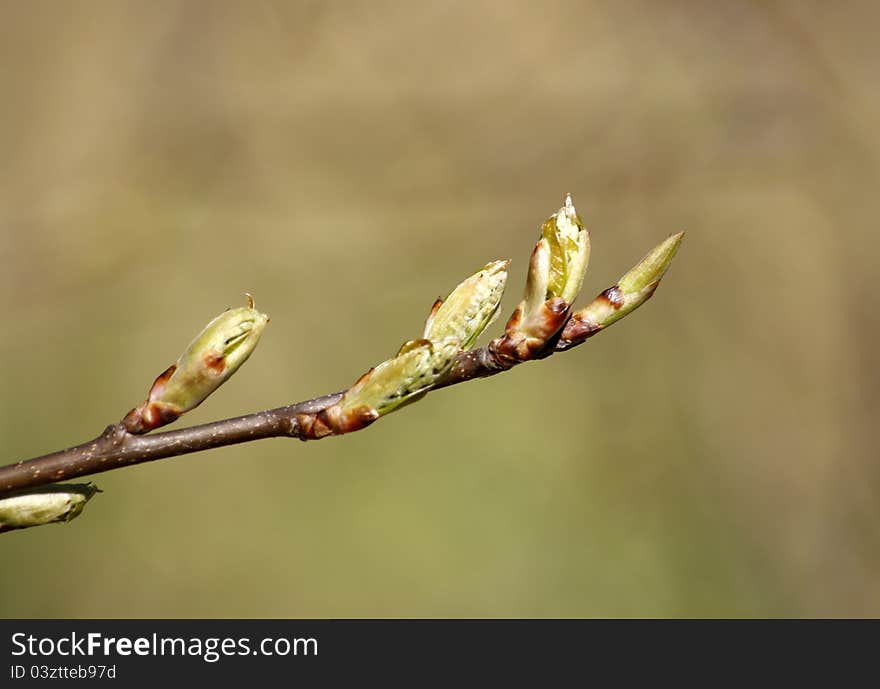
(391, 384)
(44, 505)
(211, 358)
(556, 272)
(470, 308)
(630, 292)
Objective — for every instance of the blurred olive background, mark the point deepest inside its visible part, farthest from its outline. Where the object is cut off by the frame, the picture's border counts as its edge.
(713, 454)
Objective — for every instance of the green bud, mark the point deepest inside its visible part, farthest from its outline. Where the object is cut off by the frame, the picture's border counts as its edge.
(44, 505)
(651, 268)
(211, 358)
(470, 308)
(568, 243)
(630, 292)
(556, 271)
(417, 366)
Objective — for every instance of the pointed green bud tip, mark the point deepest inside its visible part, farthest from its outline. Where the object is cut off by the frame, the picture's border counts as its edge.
(470, 308)
(211, 358)
(630, 292)
(568, 242)
(652, 267)
(44, 505)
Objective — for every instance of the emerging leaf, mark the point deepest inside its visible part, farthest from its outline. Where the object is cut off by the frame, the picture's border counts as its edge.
(418, 365)
(568, 243)
(470, 308)
(556, 271)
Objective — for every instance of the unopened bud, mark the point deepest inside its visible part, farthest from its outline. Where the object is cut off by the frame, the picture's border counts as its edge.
(211, 358)
(556, 271)
(416, 368)
(44, 505)
(470, 308)
(630, 292)
(651, 268)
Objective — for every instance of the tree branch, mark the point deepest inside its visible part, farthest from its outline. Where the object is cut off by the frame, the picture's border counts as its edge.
(116, 448)
(542, 325)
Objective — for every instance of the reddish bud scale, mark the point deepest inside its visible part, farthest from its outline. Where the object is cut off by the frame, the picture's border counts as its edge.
(334, 421)
(211, 358)
(520, 343)
(579, 329)
(152, 414)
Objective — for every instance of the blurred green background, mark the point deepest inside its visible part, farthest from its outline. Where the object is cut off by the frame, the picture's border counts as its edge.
(713, 454)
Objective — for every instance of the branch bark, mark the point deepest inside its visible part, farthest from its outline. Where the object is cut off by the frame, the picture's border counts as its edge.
(535, 331)
(116, 448)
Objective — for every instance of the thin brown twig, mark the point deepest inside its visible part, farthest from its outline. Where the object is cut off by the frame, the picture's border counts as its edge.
(534, 331)
(116, 448)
